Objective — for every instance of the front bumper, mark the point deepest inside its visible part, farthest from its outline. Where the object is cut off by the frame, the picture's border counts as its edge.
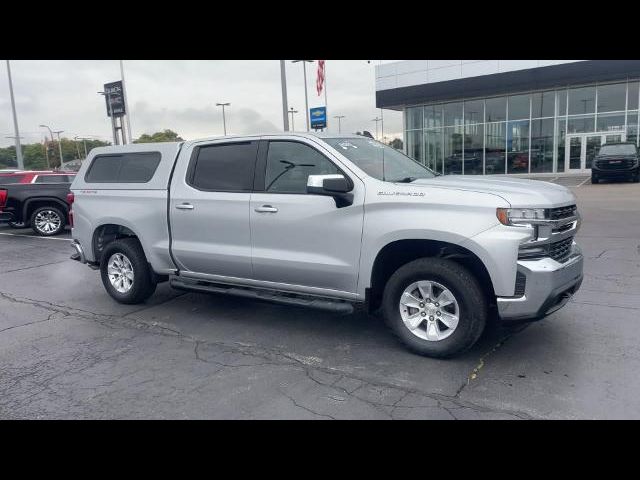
(549, 286)
(614, 173)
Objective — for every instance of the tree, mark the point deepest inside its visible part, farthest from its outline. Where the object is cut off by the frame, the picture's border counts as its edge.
(396, 143)
(34, 157)
(164, 136)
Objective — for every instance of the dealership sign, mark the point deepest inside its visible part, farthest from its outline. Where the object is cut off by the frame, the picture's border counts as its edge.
(318, 117)
(114, 98)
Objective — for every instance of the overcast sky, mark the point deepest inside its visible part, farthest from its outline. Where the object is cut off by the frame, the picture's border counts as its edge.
(181, 95)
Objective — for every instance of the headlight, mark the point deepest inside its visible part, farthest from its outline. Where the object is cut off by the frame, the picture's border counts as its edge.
(520, 216)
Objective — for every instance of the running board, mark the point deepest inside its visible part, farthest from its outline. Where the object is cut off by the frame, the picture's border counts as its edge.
(335, 306)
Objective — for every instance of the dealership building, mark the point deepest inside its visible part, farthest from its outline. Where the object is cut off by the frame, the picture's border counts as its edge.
(476, 117)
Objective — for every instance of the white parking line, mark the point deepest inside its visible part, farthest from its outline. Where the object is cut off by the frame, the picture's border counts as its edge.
(585, 181)
(33, 236)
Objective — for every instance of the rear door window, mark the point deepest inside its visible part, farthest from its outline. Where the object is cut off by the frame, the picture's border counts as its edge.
(52, 179)
(136, 167)
(224, 167)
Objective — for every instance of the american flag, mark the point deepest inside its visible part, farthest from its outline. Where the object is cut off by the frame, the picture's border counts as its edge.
(320, 77)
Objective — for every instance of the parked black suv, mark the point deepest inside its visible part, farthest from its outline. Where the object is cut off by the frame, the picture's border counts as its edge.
(616, 160)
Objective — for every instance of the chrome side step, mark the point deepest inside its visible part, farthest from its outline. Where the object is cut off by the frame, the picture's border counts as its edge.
(336, 306)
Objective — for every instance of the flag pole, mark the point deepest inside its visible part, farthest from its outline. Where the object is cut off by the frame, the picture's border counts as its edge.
(326, 107)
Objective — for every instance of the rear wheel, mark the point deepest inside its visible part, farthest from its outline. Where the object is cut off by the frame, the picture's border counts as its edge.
(47, 221)
(125, 273)
(435, 306)
(17, 225)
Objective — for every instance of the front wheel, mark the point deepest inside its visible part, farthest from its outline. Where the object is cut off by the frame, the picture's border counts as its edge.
(435, 306)
(125, 273)
(594, 179)
(47, 221)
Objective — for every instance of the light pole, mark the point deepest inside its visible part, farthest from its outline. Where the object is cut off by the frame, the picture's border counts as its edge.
(126, 102)
(306, 97)
(377, 119)
(52, 141)
(58, 132)
(19, 159)
(285, 107)
(224, 120)
(293, 124)
(339, 117)
(84, 142)
(11, 136)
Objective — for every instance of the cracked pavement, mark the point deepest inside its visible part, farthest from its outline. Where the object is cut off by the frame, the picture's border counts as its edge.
(68, 351)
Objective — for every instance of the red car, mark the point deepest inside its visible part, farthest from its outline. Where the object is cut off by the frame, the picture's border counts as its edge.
(36, 176)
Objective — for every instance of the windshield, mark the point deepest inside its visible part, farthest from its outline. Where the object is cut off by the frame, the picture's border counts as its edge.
(618, 149)
(380, 161)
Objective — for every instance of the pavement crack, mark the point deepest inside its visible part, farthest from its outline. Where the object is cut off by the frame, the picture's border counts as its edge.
(481, 362)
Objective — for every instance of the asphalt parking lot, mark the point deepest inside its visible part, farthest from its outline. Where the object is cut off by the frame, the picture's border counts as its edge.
(67, 350)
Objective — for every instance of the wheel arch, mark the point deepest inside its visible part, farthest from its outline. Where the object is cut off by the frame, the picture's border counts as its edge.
(399, 252)
(107, 232)
(33, 203)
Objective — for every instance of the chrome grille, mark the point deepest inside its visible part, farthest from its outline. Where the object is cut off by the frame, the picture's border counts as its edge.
(561, 250)
(562, 212)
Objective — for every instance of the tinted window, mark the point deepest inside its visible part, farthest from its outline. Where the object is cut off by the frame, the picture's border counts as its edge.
(11, 179)
(289, 165)
(52, 179)
(124, 168)
(227, 167)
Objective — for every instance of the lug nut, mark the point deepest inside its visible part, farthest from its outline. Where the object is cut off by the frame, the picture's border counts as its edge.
(438, 313)
(430, 317)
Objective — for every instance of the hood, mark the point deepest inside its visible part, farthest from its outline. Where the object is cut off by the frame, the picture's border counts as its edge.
(518, 192)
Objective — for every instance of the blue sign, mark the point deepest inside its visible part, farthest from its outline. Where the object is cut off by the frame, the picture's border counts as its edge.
(318, 116)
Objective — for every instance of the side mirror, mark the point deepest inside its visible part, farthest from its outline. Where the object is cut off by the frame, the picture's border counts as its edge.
(336, 186)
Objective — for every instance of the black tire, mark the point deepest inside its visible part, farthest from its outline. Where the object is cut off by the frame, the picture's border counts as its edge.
(52, 212)
(463, 285)
(636, 177)
(143, 285)
(594, 179)
(17, 225)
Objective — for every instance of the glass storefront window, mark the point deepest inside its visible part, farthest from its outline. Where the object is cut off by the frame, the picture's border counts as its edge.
(518, 147)
(562, 102)
(632, 102)
(452, 113)
(414, 118)
(473, 148)
(581, 124)
(474, 111)
(519, 107)
(542, 145)
(612, 98)
(582, 100)
(495, 144)
(433, 149)
(608, 122)
(414, 145)
(561, 138)
(496, 109)
(433, 116)
(632, 127)
(543, 104)
(452, 150)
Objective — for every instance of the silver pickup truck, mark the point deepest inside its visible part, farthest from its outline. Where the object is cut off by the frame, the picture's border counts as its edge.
(328, 222)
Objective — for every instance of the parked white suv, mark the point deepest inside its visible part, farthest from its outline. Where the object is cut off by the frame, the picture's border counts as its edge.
(328, 222)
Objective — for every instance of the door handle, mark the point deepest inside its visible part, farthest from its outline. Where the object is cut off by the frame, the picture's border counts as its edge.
(266, 209)
(184, 206)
